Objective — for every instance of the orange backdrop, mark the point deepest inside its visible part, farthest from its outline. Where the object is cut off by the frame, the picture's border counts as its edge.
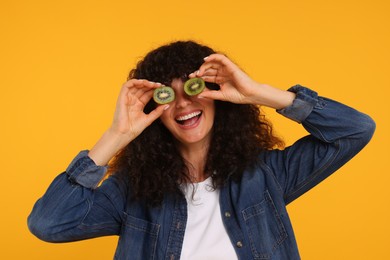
(63, 62)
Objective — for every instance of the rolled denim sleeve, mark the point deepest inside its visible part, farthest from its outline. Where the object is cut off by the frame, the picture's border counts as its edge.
(302, 105)
(83, 170)
(74, 207)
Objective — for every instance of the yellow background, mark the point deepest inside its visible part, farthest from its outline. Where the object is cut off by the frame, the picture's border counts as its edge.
(63, 62)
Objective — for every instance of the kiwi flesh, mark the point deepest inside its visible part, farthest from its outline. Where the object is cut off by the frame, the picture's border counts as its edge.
(194, 86)
(163, 95)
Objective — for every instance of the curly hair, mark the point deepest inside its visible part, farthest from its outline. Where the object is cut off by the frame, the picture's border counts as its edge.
(153, 165)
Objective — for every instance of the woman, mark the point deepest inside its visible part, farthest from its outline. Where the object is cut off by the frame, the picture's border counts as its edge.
(200, 177)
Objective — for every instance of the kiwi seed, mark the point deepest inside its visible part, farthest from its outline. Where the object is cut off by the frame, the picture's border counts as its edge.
(194, 86)
(163, 95)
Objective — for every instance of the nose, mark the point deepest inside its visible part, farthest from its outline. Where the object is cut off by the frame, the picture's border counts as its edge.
(182, 99)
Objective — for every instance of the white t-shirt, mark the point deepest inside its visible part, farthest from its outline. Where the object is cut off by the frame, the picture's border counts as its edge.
(205, 235)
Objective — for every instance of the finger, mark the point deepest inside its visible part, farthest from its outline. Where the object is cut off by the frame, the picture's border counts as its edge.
(143, 83)
(216, 57)
(210, 67)
(146, 96)
(156, 113)
(140, 87)
(123, 97)
(126, 96)
(138, 92)
(134, 84)
(210, 72)
(130, 87)
(122, 103)
(133, 90)
(212, 94)
(207, 72)
(217, 61)
(212, 79)
(204, 69)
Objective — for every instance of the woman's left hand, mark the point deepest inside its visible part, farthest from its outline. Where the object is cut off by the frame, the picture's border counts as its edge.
(235, 85)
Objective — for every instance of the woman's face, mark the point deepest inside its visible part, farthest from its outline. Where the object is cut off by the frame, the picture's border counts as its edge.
(189, 119)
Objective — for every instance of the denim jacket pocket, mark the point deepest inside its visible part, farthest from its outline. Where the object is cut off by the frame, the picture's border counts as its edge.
(265, 228)
(138, 239)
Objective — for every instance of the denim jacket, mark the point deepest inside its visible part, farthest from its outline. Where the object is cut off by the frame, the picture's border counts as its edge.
(253, 209)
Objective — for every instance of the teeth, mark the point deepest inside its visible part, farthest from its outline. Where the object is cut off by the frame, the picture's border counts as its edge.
(186, 117)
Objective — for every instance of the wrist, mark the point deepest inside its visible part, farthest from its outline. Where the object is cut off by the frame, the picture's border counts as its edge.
(266, 95)
(117, 138)
(108, 146)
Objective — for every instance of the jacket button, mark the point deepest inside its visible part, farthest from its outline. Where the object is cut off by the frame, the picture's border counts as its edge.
(239, 244)
(227, 214)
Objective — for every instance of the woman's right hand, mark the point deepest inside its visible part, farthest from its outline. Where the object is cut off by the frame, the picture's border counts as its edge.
(129, 119)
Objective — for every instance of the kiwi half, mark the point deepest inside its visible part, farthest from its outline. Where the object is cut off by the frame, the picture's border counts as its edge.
(194, 86)
(163, 95)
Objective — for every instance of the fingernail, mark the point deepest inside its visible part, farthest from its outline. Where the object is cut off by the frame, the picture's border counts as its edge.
(197, 72)
(205, 58)
(166, 107)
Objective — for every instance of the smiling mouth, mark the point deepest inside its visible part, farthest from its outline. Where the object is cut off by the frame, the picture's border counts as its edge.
(189, 119)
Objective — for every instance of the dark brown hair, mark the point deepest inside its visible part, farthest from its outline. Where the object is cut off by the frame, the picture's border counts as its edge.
(152, 164)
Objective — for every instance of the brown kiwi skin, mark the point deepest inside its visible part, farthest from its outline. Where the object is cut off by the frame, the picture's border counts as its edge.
(167, 90)
(188, 84)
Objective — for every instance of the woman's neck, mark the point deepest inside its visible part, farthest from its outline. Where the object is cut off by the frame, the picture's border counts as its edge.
(195, 156)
